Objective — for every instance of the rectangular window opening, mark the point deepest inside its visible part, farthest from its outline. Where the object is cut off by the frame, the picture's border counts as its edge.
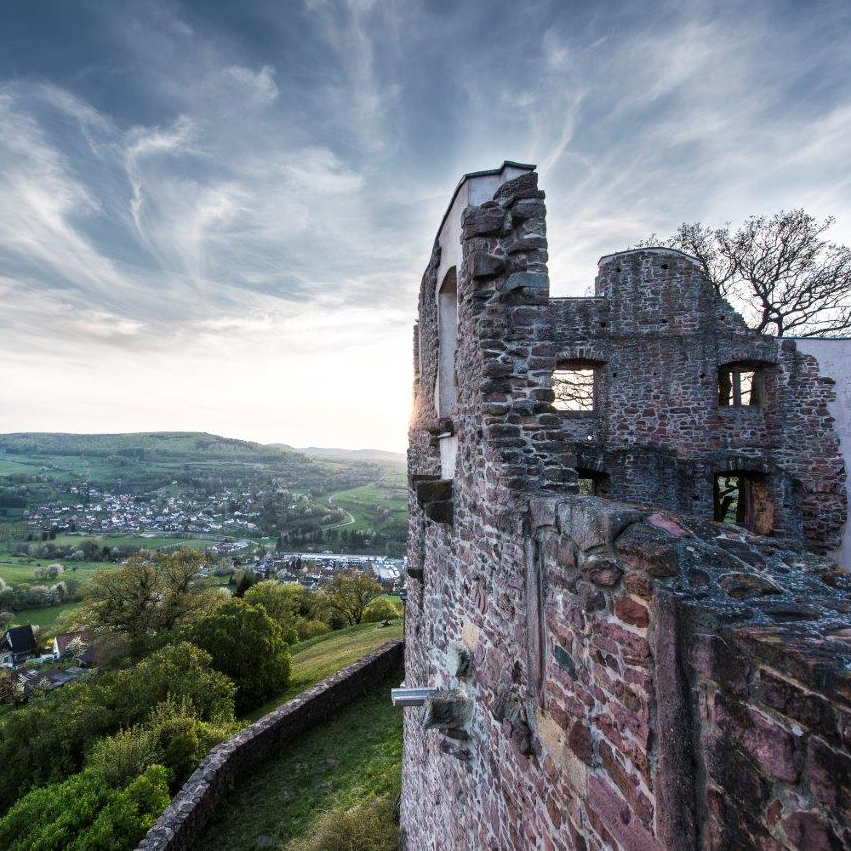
(739, 388)
(743, 499)
(574, 389)
(593, 483)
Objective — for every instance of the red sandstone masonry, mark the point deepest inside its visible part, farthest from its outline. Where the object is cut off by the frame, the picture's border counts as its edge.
(189, 810)
(638, 679)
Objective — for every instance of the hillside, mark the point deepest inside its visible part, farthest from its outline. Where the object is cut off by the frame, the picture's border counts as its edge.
(377, 456)
(167, 483)
(352, 759)
(146, 460)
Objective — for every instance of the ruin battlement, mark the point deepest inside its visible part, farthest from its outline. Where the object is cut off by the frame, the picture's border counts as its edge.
(618, 597)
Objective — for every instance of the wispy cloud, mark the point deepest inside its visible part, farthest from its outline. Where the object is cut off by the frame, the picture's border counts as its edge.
(245, 197)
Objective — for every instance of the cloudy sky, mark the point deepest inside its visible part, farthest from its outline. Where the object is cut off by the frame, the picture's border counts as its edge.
(215, 215)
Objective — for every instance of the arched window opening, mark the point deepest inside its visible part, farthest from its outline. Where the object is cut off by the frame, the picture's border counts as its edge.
(744, 498)
(446, 389)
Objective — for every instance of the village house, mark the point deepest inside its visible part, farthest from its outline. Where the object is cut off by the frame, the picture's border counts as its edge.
(17, 645)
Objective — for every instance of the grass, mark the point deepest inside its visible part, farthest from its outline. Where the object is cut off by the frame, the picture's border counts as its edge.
(45, 616)
(15, 572)
(351, 759)
(18, 570)
(318, 658)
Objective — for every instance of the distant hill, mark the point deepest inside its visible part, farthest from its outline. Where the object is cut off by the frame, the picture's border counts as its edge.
(378, 456)
(140, 444)
(145, 460)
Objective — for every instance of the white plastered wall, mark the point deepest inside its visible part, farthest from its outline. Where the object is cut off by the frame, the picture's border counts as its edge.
(834, 358)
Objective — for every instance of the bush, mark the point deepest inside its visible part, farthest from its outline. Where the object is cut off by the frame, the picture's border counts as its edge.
(380, 610)
(47, 740)
(310, 629)
(367, 827)
(173, 736)
(247, 646)
(85, 812)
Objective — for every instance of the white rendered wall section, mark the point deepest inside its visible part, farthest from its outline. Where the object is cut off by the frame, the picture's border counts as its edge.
(834, 358)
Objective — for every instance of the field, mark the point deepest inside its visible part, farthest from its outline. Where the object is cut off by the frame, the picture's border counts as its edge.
(17, 570)
(45, 616)
(351, 759)
(377, 506)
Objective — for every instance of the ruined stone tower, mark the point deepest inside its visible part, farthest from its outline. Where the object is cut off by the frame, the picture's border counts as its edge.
(608, 666)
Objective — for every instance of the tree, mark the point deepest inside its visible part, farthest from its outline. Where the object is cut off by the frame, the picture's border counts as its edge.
(49, 739)
(381, 610)
(85, 811)
(11, 688)
(348, 594)
(778, 271)
(151, 593)
(247, 646)
(281, 602)
(248, 578)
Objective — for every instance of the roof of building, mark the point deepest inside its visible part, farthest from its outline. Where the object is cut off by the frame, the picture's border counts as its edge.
(63, 641)
(19, 639)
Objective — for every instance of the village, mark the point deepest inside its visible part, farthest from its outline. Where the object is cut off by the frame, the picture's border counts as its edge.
(104, 513)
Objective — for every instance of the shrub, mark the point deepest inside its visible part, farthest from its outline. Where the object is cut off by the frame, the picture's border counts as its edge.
(173, 736)
(51, 571)
(366, 827)
(380, 610)
(247, 646)
(310, 628)
(47, 740)
(85, 812)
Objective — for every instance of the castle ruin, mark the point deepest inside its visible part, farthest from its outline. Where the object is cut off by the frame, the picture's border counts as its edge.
(622, 609)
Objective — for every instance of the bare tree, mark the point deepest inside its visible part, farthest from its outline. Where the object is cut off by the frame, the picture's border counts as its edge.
(779, 271)
(574, 388)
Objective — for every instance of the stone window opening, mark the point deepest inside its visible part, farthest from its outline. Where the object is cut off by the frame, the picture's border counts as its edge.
(743, 498)
(592, 482)
(576, 387)
(446, 384)
(740, 387)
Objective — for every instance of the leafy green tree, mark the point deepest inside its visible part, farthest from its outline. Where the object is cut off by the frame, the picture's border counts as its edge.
(47, 740)
(150, 594)
(380, 610)
(348, 595)
(280, 601)
(248, 578)
(86, 812)
(249, 647)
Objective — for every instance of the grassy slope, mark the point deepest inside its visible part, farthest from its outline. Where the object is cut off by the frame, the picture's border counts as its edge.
(351, 759)
(42, 617)
(318, 658)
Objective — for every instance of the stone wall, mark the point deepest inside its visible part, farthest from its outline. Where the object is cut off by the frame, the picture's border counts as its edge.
(586, 650)
(635, 680)
(186, 815)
